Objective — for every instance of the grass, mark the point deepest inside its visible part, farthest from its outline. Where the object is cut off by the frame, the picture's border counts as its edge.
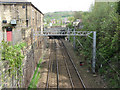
(36, 76)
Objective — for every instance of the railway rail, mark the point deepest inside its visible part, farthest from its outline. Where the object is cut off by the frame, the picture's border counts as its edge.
(66, 65)
(54, 76)
(79, 79)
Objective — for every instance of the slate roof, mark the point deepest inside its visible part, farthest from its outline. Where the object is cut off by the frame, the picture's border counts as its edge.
(13, 1)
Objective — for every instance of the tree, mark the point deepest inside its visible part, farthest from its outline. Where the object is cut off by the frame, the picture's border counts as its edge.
(104, 19)
(118, 8)
(71, 19)
(77, 14)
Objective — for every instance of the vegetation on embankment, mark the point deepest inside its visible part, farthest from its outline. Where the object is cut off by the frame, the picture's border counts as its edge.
(104, 18)
(36, 76)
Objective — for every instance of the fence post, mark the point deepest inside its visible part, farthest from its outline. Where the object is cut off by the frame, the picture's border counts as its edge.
(94, 52)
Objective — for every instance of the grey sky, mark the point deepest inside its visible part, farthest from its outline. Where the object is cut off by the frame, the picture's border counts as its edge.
(62, 5)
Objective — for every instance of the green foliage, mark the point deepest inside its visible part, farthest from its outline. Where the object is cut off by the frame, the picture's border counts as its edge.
(59, 17)
(118, 8)
(71, 19)
(103, 19)
(13, 56)
(36, 76)
(78, 14)
(70, 25)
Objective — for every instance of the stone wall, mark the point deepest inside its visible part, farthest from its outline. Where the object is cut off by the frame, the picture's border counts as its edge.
(1, 33)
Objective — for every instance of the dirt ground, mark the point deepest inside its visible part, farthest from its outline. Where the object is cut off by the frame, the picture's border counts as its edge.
(44, 68)
(90, 80)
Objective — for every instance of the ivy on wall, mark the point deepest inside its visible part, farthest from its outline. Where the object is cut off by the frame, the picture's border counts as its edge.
(12, 55)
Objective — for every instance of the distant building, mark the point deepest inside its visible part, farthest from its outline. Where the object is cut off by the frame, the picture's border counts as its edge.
(78, 23)
(50, 24)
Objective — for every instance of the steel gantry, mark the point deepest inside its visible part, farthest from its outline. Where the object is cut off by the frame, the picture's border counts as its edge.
(73, 33)
(63, 33)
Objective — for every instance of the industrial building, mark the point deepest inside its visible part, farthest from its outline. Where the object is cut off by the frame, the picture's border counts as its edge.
(19, 19)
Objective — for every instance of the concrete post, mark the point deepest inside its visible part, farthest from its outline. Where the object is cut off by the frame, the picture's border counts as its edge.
(94, 52)
(74, 39)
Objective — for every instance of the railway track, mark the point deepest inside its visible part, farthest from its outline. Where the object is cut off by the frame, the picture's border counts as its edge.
(75, 78)
(53, 74)
(62, 72)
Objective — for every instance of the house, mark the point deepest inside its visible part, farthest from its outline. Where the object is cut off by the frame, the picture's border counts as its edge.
(78, 24)
(19, 19)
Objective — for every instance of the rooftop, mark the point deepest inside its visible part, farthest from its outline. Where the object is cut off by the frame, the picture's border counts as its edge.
(18, 2)
(13, 1)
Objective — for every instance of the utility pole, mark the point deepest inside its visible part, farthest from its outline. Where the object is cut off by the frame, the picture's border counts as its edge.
(94, 52)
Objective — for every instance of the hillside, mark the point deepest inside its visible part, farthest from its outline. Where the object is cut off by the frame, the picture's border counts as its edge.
(58, 15)
(57, 18)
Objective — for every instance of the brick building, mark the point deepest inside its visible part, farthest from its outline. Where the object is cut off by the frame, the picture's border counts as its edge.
(18, 20)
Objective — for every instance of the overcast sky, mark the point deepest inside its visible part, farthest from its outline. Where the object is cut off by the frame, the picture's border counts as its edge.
(62, 5)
